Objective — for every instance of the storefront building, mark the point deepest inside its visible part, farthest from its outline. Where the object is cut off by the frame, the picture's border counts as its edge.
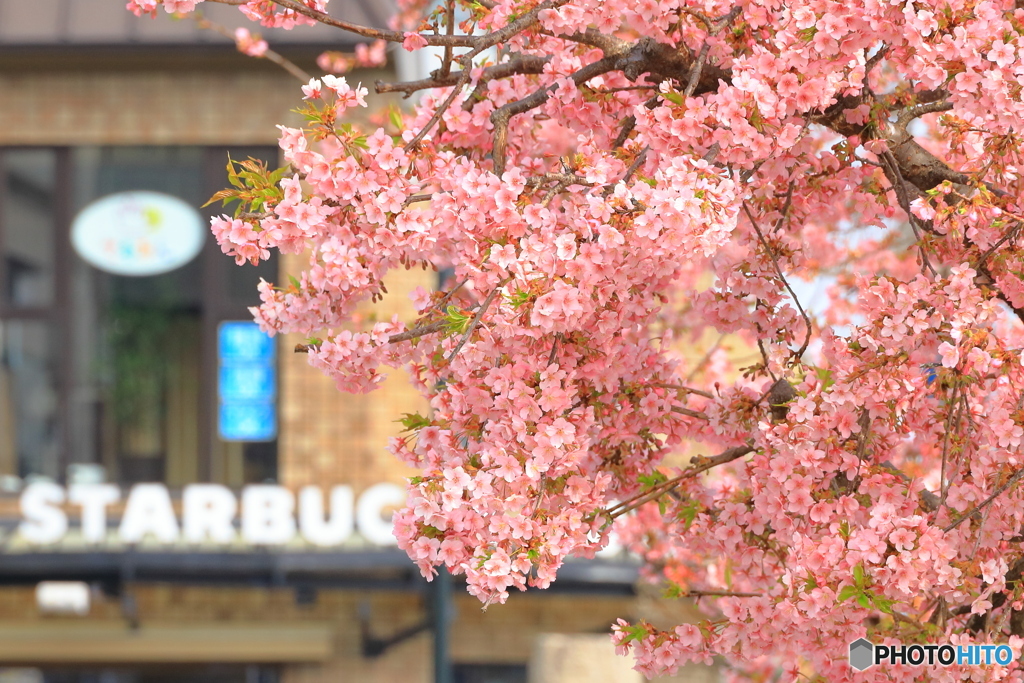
(180, 501)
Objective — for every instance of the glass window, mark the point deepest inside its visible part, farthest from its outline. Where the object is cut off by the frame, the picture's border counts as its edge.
(136, 378)
(104, 369)
(27, 227)
(29, 403)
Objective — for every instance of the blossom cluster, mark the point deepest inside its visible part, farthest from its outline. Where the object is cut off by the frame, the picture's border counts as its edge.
(630, 180)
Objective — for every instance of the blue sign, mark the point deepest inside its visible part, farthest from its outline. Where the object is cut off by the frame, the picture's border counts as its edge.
(244, 341)
(247, 383)
(247, 421)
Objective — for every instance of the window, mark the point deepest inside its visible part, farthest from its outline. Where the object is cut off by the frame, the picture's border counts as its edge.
(106, 369)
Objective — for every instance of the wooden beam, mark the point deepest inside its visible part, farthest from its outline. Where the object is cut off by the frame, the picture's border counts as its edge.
(91, 642)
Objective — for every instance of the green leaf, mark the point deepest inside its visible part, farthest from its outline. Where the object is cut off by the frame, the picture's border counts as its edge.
(858, 575)
(807, 34)
(673, 97)
(846, 593)
(395, 116)
(688, 513)
(864, 601)
(882, 604)
(413, 421)
(653, 479)
(456, 321)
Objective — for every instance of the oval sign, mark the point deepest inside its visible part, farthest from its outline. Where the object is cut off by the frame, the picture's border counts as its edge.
(138, 233)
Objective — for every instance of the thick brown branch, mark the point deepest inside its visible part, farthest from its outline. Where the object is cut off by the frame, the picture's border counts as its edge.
(519, 64)
(500, 117)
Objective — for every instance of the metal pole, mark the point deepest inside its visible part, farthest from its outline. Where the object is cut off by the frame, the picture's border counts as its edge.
(442, 613)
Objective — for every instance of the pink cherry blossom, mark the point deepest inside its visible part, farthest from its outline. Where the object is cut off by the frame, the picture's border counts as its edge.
(659, 219)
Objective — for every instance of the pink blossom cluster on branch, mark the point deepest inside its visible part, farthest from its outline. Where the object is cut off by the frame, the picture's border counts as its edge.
(583, 188)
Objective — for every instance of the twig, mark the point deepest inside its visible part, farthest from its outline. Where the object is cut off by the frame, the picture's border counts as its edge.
(475, 322)
(413, 198)
(698, 65)
(370, 32)
(637, 163)
(690, 413)
(1009, 482)
(501, 116)
(554, 352)
(928, 499)
(629, 123)
(943, 486)
(680, 387)
(900, 189)
(418, 332)
(519, 64)
(439, 112)
(873, 61)
(1002, 240)
(659, 490)
(775, 262)
(269, 55)
(446, 63)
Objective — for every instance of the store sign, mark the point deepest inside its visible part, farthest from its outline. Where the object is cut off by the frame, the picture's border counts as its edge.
(246, 383)
(266, 514)
(138, 233)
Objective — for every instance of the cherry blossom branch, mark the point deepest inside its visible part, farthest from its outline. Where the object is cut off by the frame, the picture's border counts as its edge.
(367, 31)
(995, 494)
(690, 413)
(702, 465)
(928, 499)
(501, 116)
(417, 332)
(918, 110)
(438, 113)
(778, 269)
(895, 176)
(1009, 234)
(270, 55)
(680, 387)
(698, 65)
(629, 123)
(475, 322)
(519, 64)
(446, 61)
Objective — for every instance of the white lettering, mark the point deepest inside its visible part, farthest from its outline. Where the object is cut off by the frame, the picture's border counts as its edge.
(44, 522)
(368, 512)
(311, 515)
(148, 511)
(267, 514)
(207, 511)
(94, 499)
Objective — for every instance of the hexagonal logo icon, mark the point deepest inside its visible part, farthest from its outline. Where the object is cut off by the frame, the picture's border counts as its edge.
(862, 654)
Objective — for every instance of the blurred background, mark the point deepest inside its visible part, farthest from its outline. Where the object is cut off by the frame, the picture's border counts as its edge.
(127, 356)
